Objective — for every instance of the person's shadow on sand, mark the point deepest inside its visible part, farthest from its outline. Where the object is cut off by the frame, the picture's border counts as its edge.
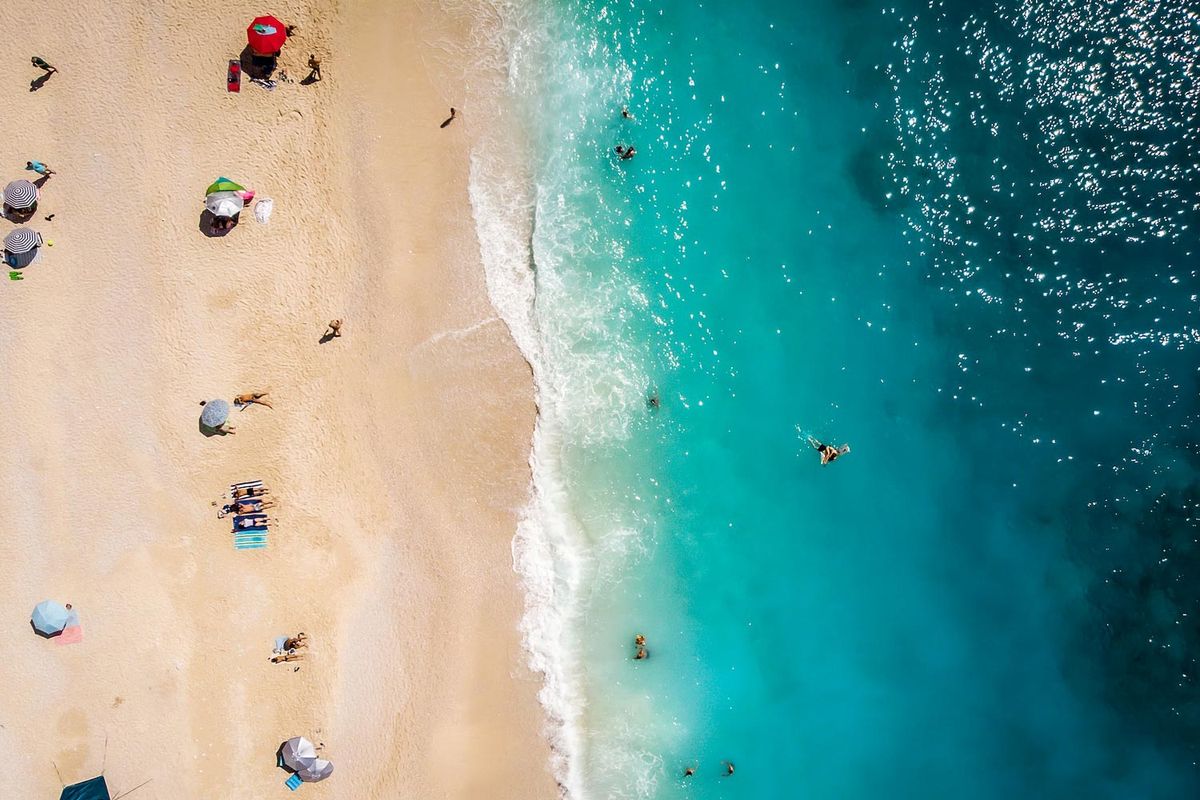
(39, 82)
(326, 339)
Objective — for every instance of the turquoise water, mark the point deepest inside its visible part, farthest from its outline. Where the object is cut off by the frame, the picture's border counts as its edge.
(960, 239)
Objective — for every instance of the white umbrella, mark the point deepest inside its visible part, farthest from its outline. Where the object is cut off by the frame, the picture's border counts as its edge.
(318, 770)
(224, 204)
(298, 753)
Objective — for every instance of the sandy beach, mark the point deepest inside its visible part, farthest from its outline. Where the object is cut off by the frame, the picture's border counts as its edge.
(398, 452)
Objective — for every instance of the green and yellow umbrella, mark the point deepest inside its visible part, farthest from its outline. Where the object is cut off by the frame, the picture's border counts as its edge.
(224, 185)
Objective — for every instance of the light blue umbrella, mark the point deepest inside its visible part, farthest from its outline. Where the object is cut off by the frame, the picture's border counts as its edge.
(50, 617)
(214, 414)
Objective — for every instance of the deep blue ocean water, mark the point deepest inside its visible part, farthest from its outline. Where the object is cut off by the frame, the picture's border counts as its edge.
(960, 237)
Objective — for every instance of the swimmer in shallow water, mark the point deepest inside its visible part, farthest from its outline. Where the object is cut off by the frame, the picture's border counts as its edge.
(828, 452)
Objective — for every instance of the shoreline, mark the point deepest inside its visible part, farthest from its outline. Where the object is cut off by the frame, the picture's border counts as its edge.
(399, 452)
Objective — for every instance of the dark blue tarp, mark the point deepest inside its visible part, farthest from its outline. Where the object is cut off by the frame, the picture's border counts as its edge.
(95, 789)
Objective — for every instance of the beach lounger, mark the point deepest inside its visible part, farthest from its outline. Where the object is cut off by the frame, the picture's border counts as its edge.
(293, 782)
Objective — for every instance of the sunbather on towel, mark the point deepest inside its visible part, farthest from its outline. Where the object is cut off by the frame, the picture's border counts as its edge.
(256, 522)
(250, 491)
(279, 658)
(250, 398)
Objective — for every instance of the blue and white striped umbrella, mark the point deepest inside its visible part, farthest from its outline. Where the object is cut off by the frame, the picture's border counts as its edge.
(215, 412)
(22, 240)
(20, 194)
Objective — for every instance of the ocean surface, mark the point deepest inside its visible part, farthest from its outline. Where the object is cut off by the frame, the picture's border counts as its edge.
(962, 238)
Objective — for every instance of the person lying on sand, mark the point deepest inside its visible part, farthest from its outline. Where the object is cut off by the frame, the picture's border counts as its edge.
(828, 452)
(39, 168)
(41, 63)
(257, 522)
(250, 491)
(299, 640)
(280, 658)
(250, 507)
(251, 398)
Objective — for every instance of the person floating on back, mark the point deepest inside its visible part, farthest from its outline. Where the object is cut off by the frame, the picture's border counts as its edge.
(41, 63)
(449, 119)
(626, 153)
(39, 168)
(828, 452)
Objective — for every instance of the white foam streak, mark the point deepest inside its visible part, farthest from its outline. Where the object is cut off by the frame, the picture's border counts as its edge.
(557, 284)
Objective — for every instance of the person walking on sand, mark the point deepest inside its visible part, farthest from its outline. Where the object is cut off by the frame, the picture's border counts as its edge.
(314, 67)
(41, 63)
(251, 398)
(335, 329)
(39, 168)
(828, 452)
(449, 119)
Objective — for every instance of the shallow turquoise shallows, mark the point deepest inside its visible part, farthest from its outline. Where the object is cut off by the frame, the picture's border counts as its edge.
(962, 241)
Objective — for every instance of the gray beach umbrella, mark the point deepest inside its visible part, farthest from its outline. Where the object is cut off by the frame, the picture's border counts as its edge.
(22, 240)
(318, 770)
(224, 204)
(20, 194)
(214, 414)
(298, 753)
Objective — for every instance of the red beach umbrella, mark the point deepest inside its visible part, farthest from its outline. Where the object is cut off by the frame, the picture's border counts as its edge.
(266, 35)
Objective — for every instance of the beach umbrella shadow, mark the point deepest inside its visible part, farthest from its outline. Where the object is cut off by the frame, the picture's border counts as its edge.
(208, 225)
(41, 634)
(256, 65)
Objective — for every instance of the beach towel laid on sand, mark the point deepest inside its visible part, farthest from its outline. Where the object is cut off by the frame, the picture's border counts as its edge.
(263, 209)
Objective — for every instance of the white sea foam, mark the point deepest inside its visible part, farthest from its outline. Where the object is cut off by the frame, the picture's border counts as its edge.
(567, 320)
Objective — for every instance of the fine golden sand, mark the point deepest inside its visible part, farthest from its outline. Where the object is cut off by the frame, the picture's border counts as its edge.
(399, 452)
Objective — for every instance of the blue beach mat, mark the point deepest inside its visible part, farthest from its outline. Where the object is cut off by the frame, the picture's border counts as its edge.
(293, 782)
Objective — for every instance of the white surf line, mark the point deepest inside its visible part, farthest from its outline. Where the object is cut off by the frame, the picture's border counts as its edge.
(457, 333)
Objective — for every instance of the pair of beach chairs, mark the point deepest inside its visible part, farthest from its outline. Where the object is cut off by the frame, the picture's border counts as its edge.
(249, 530)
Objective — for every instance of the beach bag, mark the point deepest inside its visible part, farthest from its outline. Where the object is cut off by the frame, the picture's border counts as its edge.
(263, 209)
